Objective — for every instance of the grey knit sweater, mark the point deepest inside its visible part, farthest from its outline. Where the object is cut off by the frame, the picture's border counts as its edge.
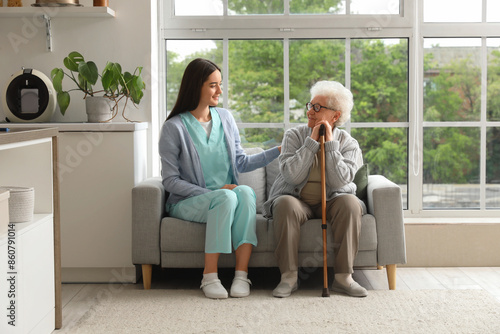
(343, 158)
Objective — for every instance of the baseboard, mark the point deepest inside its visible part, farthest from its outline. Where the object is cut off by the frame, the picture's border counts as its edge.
(100, 275)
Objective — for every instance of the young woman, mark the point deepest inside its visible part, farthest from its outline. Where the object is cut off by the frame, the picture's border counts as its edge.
(201, 159)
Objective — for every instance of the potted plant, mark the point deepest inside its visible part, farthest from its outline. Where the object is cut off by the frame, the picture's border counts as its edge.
(116, 86)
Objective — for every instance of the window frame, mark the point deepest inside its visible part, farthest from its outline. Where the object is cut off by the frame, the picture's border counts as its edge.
(409, 24)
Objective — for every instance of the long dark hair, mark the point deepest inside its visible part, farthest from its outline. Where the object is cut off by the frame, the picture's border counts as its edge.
(195, 74)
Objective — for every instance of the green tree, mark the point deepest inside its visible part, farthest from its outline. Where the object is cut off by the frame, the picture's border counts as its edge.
(451, 93)
(493, 114)
(379, 83)
(277, 6)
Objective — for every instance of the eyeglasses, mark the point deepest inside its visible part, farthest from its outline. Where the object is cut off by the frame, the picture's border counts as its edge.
(315, 106)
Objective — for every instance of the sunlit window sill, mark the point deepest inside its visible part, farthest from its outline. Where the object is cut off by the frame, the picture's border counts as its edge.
(455, 220)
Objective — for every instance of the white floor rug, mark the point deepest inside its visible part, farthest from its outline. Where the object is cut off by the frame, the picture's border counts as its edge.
(188, 311)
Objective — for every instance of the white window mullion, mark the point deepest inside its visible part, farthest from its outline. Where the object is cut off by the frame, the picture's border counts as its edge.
(483, 13)
(347, 70)
(484, 99)
(415, 131)
(286, 82)
(225, 70)
(225, 8)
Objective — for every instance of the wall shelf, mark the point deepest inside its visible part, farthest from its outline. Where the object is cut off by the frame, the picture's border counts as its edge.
(49, 13)
(55, 12)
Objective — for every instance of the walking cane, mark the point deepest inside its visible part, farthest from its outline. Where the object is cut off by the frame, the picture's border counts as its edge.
(326, 292)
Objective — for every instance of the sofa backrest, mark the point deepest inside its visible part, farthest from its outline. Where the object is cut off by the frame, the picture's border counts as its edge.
(262, 179)
(256, 180)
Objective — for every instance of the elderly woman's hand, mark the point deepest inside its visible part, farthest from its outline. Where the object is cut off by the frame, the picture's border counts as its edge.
(328, 131)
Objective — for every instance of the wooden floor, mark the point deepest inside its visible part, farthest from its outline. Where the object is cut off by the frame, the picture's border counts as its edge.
(77, 299)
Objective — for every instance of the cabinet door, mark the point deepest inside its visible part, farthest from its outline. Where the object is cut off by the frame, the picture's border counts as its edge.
(36, 276)
(29, 290)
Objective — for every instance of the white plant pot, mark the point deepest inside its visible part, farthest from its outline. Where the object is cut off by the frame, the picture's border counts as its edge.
(99, 109)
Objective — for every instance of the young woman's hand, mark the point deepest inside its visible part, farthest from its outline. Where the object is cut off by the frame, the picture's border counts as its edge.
(229, 186)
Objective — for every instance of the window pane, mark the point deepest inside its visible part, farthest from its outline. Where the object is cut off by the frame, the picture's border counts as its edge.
(493, 104)
(261, 137)
(179, 55)
(239, 7)
(493, 11)
(492, 170)
(379, 80)
(385, 150)
(317, 6)
(317, 60)
(451, 168)
(452, 10)
(255, 78)
(452, 79)
(198, 7)
(383, 7)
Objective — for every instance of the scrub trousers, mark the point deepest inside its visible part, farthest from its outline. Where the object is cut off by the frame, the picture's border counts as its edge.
(230, 216)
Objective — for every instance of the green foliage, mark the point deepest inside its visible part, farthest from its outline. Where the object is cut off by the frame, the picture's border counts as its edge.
(240, 7)
(451, 155)
(379, 82)
(385, 149)
(256, 80)
(116, 84)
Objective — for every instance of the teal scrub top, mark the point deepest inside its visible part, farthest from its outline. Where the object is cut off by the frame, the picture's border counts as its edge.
(212, 151)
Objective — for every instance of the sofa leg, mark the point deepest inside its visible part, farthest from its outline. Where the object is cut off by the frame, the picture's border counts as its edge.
(391, 275)
(147, 270)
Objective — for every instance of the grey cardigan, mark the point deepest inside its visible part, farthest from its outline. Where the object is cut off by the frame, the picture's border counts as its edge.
(343, 158)
(181, 167)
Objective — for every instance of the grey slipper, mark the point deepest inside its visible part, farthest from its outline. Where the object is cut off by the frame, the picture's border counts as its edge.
(354, 290)
(284, 290)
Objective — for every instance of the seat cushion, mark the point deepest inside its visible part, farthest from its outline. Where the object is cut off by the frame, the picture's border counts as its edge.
(178, 235)
(311, 237)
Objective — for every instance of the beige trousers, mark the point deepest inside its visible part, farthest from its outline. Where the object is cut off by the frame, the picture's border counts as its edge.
(343, 214)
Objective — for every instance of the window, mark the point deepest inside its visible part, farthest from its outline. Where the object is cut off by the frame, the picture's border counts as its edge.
(425, 112)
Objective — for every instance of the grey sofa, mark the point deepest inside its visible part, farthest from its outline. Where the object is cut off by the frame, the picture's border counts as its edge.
(173, 243)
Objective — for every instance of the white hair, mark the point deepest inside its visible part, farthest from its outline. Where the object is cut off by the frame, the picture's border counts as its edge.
(337, 98)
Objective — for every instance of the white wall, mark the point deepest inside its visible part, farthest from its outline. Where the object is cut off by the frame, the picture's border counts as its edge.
(129, 39)
(125, 39)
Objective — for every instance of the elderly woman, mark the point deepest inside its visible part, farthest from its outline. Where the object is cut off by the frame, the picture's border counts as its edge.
(295, 196)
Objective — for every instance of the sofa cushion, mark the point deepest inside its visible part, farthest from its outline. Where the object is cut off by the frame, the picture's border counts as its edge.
(255, 179)
(179, 235)
(361, 181)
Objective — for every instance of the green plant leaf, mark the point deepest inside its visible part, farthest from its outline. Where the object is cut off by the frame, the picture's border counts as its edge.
(110, 77)
(89, 71)
(73, 60)
(136, 89)
(57, 76)
(63, 100)
(107, 79)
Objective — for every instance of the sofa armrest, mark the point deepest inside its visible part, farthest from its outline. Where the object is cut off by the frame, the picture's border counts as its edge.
(148, 208)
(385, 203)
